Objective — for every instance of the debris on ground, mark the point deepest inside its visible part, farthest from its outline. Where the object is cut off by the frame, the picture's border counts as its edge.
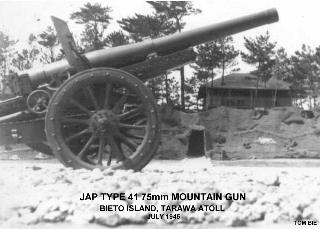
(50, 193)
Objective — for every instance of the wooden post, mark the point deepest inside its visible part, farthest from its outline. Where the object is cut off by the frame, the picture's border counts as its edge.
(275, 98)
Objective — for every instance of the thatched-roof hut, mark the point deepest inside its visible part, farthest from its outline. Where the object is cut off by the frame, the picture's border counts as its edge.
(243, 90)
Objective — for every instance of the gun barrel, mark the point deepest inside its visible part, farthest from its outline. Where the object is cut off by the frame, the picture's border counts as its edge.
(133, 53)
(216, 31)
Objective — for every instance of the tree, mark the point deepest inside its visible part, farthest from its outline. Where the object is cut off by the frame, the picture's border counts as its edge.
(176, 11)
(140, 27)
(48, 42)
(117, 38)
(215, 56)
(261, 54)
(226, 55)
(5, 52)
(96, 19)
(191, 91)
(6, 44)
(306, 73)
(24, 59)
(283, 66)
(42, 48)
(205, 64)
(171, 90)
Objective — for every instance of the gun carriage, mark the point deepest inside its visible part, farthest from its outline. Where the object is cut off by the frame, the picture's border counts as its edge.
(93, 110)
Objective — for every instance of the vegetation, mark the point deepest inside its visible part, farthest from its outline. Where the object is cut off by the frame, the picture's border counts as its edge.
(214, 59)
(261, 54)
(96, 19)
(175, 12)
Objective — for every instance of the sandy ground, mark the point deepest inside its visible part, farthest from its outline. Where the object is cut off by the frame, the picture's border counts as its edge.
(151, 226)
(290, 182)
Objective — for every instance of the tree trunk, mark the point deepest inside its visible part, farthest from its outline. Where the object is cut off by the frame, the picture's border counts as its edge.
(212, 79)
(310, 102)
(167, 88)
(256, 94)
(51, 55)
(222, 77)
(197, 104)
(223, 66)
(96, 43)
(182, 88)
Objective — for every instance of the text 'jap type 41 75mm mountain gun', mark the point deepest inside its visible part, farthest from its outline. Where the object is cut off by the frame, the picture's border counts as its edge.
(93, 110)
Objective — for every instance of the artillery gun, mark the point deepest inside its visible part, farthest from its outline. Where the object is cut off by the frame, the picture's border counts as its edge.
(93, 110)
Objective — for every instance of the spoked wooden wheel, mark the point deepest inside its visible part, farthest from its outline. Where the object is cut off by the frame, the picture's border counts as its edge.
(102, 118)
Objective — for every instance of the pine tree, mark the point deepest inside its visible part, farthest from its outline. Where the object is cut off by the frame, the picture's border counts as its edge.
(191, 90)
(204, 65)
(49, 42)
(5, 52)
(283, 67)
(96, 18)
(306, 73)
(117, 38)
(140, 27)
(214, 57)
(226, 55)
(24, 59)
(261, 54)
(176, 11)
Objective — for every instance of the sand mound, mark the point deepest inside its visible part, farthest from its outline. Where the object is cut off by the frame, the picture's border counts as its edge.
(231, 133)
(276, 133)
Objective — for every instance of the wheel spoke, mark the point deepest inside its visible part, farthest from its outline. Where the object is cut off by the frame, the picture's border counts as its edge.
(130, 135)
(92, 98)
(116, 109)
(76, 135)
(114, 149)
(128, 126)
(132, 146)
(80, 106)
(107, 95)
(120, 155)
(85, 147)
(141, 121)
(130, 114)
(74, 120)
(102, 143)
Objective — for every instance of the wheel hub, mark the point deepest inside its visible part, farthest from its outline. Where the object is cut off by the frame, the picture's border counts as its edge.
(104, 121)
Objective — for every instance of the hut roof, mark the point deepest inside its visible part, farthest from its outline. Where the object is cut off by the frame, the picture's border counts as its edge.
(247, 81)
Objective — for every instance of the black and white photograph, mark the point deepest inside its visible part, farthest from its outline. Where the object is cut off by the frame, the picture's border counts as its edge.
(159, 114)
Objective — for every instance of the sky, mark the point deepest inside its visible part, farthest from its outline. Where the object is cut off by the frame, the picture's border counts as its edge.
(299, 20)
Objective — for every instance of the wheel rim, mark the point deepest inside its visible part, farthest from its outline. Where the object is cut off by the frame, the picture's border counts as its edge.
(102, 118)
(40, 147)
